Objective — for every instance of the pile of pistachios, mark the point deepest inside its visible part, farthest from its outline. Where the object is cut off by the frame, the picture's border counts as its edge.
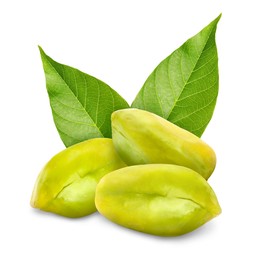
(150, 177)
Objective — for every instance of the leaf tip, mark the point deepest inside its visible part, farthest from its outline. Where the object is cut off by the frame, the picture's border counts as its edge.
(218, 18)
(213, 24)
(41, 50)
(215, 21)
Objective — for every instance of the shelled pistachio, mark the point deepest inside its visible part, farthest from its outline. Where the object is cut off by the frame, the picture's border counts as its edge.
(159, 199)
(141, 137)
(67, 183)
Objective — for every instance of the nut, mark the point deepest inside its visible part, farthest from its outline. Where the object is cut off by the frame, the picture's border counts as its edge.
(159, 199)
(67, 184)
(141, 137)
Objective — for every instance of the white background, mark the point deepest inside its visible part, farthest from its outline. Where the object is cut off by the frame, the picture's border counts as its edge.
(121, 42)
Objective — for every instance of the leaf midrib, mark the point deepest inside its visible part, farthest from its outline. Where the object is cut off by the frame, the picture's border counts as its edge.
(192, 71)
(94, 124)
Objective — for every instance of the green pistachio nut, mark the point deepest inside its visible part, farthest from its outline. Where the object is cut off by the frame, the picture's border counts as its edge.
(159, 199)
(67, 184)
(141, 137)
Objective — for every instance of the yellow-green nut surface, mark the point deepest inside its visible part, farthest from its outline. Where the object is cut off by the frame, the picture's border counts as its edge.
(141, 137)
(159, 199)
(67, 184)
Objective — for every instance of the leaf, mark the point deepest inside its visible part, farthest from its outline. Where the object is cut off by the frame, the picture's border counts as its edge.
(183, 88)
(81, 104)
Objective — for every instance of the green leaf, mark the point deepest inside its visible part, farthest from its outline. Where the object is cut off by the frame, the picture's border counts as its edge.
(183, 88)
(81, 104)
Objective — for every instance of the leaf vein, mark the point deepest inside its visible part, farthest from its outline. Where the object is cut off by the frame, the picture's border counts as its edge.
(195, 111)
(96, 119)
(168, 74)
(156, 91)
(203, 65)
(204, 76)
(71, 121)
(58, 100)
(194, 94)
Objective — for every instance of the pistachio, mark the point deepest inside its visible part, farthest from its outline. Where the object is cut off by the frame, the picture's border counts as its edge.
(141, 137)
(159, 199)
(67, 184)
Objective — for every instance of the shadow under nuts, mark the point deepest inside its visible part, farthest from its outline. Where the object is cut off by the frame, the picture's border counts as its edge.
(141, 137)
(67, 184)
(159, 199)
